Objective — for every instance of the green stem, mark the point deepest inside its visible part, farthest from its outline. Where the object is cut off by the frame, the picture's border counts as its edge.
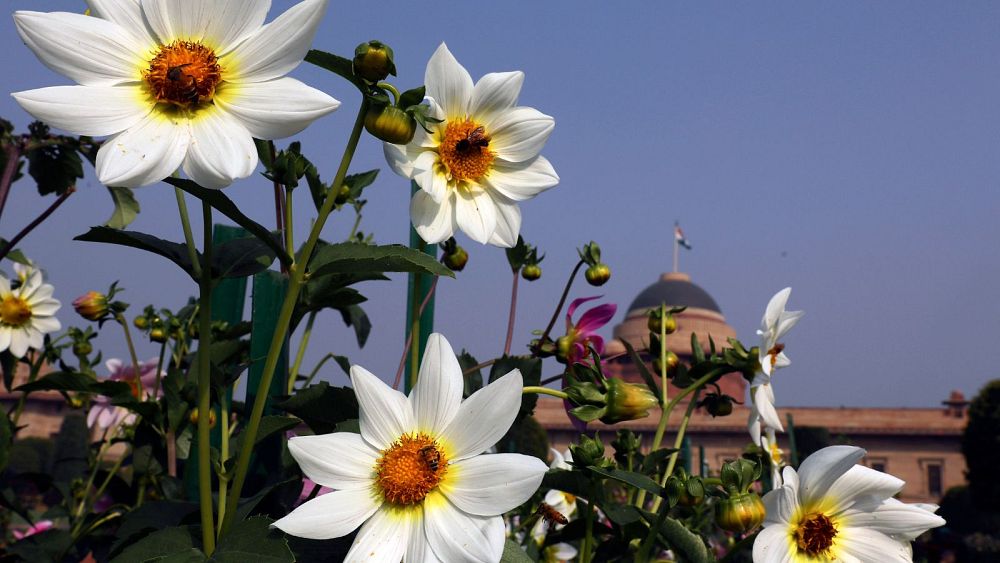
(223, 455)
(562, 301)
(413, 342)
(678, 440)
(510, 317)
(354, 228)
(391, 88)
(664, 394)
(205, 386)
(159, 370)
(188, 237)
(315, 370)
(297, 365)
(544, 391)
(297, 272)
(136, 373)
(289, 233)
(588, 538)
(646, 548)
(32, 376)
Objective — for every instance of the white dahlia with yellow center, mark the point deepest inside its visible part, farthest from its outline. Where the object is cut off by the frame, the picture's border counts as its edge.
(481, 159)
(414, 479)
(27, 313)
(178, 84)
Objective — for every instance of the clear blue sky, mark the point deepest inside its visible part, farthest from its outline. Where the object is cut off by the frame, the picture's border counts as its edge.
(849, 150)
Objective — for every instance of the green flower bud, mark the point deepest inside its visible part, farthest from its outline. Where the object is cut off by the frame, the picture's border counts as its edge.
(390, 124)
(672, 362)
(92, 305)
(627, 401)
(740, 513)
(457, 259)
(598, 274)
(193, 417)
(141, 322)
(342, 194)
(82, 348)
(531, 272)
(373, 61)
(717, 404)
(158, 334)
(563, 346)
(656, 321)
(590, 451)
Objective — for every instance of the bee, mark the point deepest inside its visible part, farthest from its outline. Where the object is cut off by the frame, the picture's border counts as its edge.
(476, 138)
(188, 85)
(551, 515)
(431, 456)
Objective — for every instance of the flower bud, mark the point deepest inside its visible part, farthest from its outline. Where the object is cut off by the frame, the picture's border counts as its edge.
(92, 305)
(193, 417)
(342, 195)
(656, 321)
(717, 404)
(141, 322)
(457, 259)
(373, 61)
(590, 451)
(158, 334)
(531, 272)
(390, 124)
(563, 346)
(627, 401)
(542, 349)
(75, 401)
(672, 362)
(740, 513)
(82, 348)
(598, 274)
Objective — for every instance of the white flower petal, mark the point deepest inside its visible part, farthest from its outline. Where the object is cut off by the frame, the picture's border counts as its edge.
(495, 92)
(19, 343)
(764, 403)
(45, 308)
(332, 515)
(45, 324)
(457, 536)
(484, 417)
(775, 306)
(148, 152)
(5, 336)
(772, 546)
(488, 485)
(221, 150)
(519, 134)
(781, 503)
(278, 47)
(896, 519)
(219, 24)
(788, 320)
(434, 222)
(35, 337)
(821, 469)
(382, 539)
(418, 549)
(342, 460)
(508, 222)
(90, 51)
(127, 14)
(275, 109)
(438, 393)
(870, 545)
(385, 414)
(87, 110)
(399, 159)
(862, 487)
(522, 180)
(427, 175)
(476, 214)
(448, 83)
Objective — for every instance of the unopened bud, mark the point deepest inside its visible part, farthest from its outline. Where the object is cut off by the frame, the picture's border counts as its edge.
(158, 334)
(740, 513)
(627, 401)
(590, 451)
(672, 361)
(141, 322)
(656, 322)
(193, 417)
(717, 404)
(531, 272)
(92, 305)
(373, 61)
(598, 274)
(390, 124)
(82, 348)
(342, 195)
(457, 259)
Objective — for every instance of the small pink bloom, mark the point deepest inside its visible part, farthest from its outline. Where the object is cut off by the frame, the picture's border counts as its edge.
(572, 347)
(39, 527)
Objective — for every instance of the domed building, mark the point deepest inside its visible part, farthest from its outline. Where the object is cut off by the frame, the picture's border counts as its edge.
(922, 446)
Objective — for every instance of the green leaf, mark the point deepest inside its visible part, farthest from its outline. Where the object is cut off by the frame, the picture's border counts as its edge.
(55, 168)
(269, 425)
(684, 542)
(647, 376)
(15, 255)
(151, 516)
(322, 407)
(173, 251)
(412, 97)
(531, 373)
(637, 480)
(6, 436)
(572, 482)
(355, 316)
(49, 545)
(224, 205)
(474, 379)
(336, 64)
(357, 258)
(169, 544)
(621, 514)
(358, 182)
(253, 540)
(512, 553)
(126, 207)
(59, 381)
(241, 257)
(697, 353)
(8, 363)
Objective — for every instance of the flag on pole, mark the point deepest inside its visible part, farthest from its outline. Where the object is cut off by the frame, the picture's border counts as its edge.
(679, 237)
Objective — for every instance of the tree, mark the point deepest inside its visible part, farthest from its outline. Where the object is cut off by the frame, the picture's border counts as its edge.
(981, 446)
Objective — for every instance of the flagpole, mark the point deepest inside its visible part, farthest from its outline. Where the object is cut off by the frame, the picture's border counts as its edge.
(676, 244)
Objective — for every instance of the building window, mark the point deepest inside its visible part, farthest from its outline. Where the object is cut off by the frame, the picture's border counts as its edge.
(878, 464)
(934, 487)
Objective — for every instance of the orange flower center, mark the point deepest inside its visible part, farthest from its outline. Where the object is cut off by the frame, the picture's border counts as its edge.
(814, 534)
(465, 150)
(773, 353)
(184, 73)
(14, 311)
(410, 468)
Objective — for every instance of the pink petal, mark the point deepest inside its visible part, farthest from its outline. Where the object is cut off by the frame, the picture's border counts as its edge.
(596, 318)
(576, 303)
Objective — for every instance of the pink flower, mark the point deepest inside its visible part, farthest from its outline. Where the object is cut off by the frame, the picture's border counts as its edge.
(572, 347)
(103, 413)
(39, 527)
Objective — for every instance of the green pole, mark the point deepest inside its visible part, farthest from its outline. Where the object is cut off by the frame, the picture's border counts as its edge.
(418, 286)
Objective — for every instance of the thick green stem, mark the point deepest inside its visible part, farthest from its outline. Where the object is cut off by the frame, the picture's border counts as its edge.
(678, 441)
(562, 301)
(205, 387)
(136, 373)
(588, 538)
(289, 233)
(303, 344)
(223, 455)
(297, 272)
(544, 391)
(188, 236)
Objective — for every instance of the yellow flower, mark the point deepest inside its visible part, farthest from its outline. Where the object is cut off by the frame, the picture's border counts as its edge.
(26, 313)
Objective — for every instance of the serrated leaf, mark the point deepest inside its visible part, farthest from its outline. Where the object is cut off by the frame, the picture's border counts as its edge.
(168, 544)
(126, 207)
(54, 168)
(357, 258)
(241, 257)
(354, 316)
(224, 205)
(253, 540)
(322, 406)
(336, 64)
(173, 251)
(269, 425)
(686, 543)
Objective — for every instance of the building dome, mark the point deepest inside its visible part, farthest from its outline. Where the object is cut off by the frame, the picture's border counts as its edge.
(676, 290)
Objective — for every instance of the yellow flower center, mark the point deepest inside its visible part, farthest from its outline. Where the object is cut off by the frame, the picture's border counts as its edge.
(814, 534)
(775, 453)
(465, 150)
(183, 73)
(14, 311)
(773, 353)
(410, 468)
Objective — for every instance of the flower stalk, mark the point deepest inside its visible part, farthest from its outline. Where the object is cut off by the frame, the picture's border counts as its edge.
(205, 386)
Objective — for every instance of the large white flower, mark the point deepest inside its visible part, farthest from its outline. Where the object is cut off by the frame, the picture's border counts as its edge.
(835, 510)
(775, 324)
(414, 479)
(26, 313)
(178, 83)
(480, 161)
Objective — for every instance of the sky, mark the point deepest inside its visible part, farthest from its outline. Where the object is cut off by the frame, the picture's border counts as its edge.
(848, 150)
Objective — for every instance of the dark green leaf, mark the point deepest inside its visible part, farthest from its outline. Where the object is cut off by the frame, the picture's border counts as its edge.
(352, 257)
(647, 376)
(224, 205)
(336, 64)
(253, 540)
(360, 181)
(55, 168)
(688, 545)
(151, 516)
(126, 207)
(269, 425)
(531, 373)
(572, 482)
(46, 546)
(9, 365)
(322, 407)
(168, 544)
(512, 553)
(173, 251)
(15, 255)
(242, 257)
(412, 97)
(355, 316)
(637, 480)
(59, 381)
(6, 436)
(621, 514)
(473, 379)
